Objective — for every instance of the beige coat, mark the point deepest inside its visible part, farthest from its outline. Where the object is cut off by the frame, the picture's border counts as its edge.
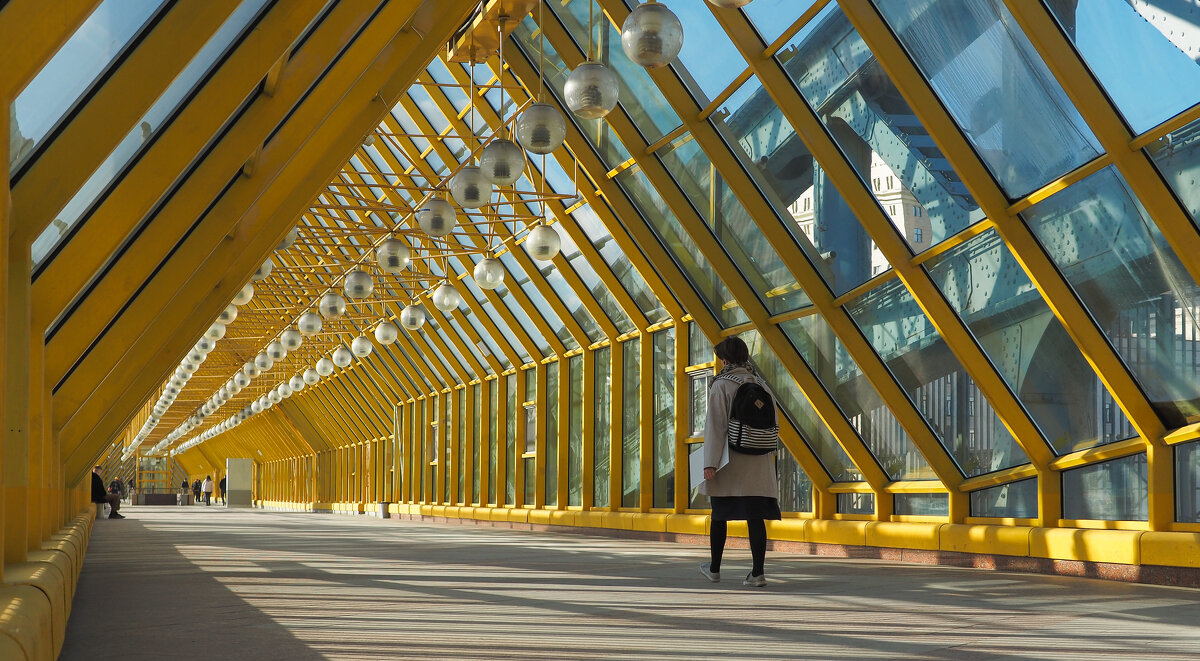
(745, 474)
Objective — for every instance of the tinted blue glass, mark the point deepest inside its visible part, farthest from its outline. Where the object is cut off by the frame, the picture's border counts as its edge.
(1016, 500)
(708, 61)
(772, 17)
(1114, 490)
(1144, 53)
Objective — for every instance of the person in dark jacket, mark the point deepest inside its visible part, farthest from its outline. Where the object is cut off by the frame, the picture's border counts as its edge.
(99, 496)
(196, 491)
(221, 489)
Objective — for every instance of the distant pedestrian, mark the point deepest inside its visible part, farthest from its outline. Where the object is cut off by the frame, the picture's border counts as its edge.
(207, 488)
(745, 488)
(221, 490)
(196, 491)
(100, 497)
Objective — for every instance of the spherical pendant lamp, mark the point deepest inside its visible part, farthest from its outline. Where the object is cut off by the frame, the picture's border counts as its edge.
(243, 297)
(591, 91)
(470, 188)
(284, 390)
(332, 306)
(502, 162)
(196, 358)
(437, 217)
(289, 239)
(297, 383)
(386, 332)
(541, 129)
(412, 317)
(309, 324)
(342, 357)
(215, 331)
(358, 284)
(251, 370)
(241, 380)
(205, 345)
(311, 376)
(263, 271)
(392, 256)
(446, 297)
(228, 314)
(361, 346)
(543, 243)
(325, 367)
(276, 351)
(256, 406)
(489, 273)
(263, 362)
(652, 35)
(291, 339)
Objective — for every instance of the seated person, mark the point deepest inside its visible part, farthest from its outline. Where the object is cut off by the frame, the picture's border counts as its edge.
(100, 497)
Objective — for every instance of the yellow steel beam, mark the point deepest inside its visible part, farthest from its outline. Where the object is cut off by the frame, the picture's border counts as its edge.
(31, 33)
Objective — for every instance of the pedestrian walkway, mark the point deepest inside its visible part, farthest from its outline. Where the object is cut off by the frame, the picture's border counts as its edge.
(193, 582)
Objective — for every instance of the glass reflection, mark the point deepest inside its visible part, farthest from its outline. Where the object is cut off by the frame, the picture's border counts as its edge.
(1028, 345)
(997, 88)
(879, 134)
(858, 399)
(934, 380)
(631, 418)
(663, 447)
(1114, 490)
(1144, 53)
(602, 430)
(575, 432)
(1016, 500)
(771, 17)
(552, 422)
(1133, 284)
(1187, 482)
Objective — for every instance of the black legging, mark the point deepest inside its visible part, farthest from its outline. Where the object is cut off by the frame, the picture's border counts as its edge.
(758, 544)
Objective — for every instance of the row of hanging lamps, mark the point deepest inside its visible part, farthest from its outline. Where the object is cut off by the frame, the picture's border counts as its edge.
(502, 161)
(469, 187)
(342, 357)
(541, 129)
(228, 314)
(243, 297)
(309, 324)
(361, 346)
(651, 35)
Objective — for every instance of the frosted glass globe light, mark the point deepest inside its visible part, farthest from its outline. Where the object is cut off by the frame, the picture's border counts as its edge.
(392, 256)
(275, 396)
(502, 162)
(289, 239)
(263, 362)
(309, 324)
(386, 332)
(291, 339)
(324, 367)
(297, 383)
(311, 376)
(332, 306)
(215, 331)
(342, 357)
(263, 271)
(652, 35)
(591, 90)
(241, 379)
(205, 345)
(446, 298)
(251, 370)
(470, 188)
(284, 390)
(358, 284)
(275, 351)
(489, 273)
(412, 317)
(437, 217)
(228, 314)
(541, 129)
(543, 242)
(196, 358)
(256, 406)
(243, 297)
(361, 346)
(729, 4)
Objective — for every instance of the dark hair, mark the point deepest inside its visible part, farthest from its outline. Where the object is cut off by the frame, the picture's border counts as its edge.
(733, 351)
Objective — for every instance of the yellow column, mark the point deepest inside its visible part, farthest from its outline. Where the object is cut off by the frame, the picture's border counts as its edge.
(16, 433)
(5, 208)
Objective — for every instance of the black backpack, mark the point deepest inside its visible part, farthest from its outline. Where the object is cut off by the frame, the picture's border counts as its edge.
(752, 425)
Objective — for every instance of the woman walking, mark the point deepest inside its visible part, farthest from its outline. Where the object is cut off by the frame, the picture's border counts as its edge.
(207, 487)
(746, 488)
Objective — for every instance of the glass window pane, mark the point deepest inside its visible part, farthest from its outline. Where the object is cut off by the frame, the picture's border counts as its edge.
(1016, 500)
(1144, 53)
(708, 61)
(921, 504)
(700, 350)
(1110, 491)
(1132, 282)
(552, 434)
(795, 487)
(510, 439)
(575, 433)
(664, 418)
(493, 441)
(799, 410)
(566, 295)
(1028, 345)
(856, 503)
(996, 86)
(1187, 482)
(602, 431)
(697, 500)
(603, 241)
(732, 226)
(73, 69)
(859, 400)
(631, 418)
(772, 17)
(879, 134)
(144, 132)
(517, 275)
(935, 381)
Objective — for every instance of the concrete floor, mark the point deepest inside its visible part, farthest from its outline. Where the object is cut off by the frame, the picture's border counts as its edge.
(209, 583)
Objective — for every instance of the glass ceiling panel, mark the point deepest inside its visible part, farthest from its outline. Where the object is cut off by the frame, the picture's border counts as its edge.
(996, 86)
(708, 61)
(458, 330)
(151, 125)
(566, 295)
(622, 268)
(425, 346)
(398, 356)
(1144, 53)
(497, 320)
(489, 342)
(98, 42)
(437, 326)
(517, 274)
(772, 17)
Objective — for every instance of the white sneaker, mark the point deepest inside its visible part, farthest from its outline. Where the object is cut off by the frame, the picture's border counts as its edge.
(714, 576)
(759, 581)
